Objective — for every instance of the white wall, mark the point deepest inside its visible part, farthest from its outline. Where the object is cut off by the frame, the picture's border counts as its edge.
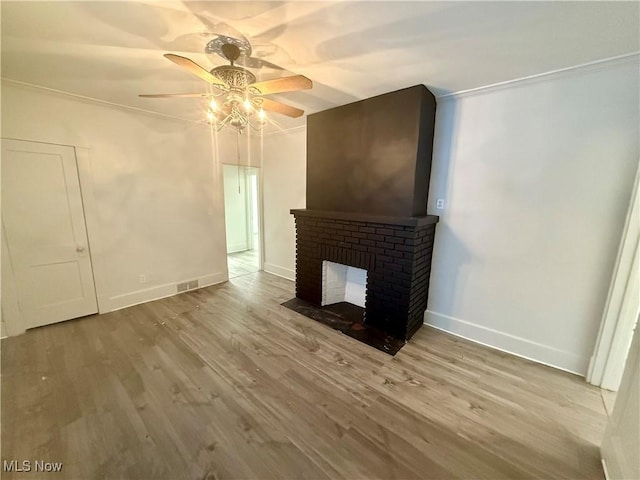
(536, 179)
(148, 189)
(536, 176)
(284, 161)
(235, 208)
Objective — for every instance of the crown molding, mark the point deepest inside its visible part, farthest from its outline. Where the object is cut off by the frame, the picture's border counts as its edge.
(606, 63)
(286, 130)
(583, 68)
(97, 101)
(82, 98)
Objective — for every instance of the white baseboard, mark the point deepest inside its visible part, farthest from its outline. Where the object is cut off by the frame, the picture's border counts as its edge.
(280, 271)
(518, 346)
(117, 302)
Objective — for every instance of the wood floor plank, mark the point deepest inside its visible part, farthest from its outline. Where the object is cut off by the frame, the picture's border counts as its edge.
(242, 263)
(225, 383)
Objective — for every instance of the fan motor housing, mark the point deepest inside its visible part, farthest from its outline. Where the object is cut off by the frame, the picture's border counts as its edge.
(235, 77)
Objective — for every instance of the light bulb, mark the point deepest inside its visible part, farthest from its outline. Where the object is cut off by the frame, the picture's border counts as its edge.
(210, 115)
(213, 105)
(247, 105)
(262, 116)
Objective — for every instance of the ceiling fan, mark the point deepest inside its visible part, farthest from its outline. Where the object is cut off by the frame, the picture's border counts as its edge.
(240, 94)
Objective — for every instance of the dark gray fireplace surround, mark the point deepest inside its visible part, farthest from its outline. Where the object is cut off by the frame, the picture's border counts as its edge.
(368, 167)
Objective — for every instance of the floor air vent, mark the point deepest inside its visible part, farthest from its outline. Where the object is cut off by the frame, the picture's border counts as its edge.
(183, 287)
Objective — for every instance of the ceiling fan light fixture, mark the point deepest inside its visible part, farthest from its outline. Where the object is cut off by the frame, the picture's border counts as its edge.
(235, 116)
(242, 95)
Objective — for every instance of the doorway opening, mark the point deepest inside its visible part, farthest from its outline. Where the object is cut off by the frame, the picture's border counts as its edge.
(242, 221)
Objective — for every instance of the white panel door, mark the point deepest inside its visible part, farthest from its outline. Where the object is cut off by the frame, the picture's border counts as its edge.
(43, 220)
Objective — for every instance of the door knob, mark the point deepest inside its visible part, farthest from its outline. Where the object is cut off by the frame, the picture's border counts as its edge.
(79, 249)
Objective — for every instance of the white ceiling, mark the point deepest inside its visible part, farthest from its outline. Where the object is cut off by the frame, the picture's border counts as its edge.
(112, 51)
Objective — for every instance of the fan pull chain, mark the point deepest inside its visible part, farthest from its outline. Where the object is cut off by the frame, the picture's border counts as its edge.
(238, 158)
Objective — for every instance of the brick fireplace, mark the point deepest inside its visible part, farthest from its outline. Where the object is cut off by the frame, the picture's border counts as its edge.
(368, 167)
(396, 256)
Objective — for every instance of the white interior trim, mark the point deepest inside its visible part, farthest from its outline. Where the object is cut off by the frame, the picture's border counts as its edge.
(604, 468)
(281, 132)
(217, 179)
(40, 141)
(627, 319)
(539, 77)
(11, 311)
(157, 292)
(621, 441)
(98, 101)
(85, 175)
(595, 65)
(280, 271)
(614, 337)
(261, 246)
(518, 346)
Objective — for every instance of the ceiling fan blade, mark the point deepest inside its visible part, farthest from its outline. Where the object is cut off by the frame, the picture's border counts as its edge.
(193, 67)
(282, 108)
(173, 95)
(285, 84)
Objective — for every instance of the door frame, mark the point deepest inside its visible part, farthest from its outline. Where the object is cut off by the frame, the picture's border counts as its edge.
(251, 217)
(621, 309)
(617, 450)
(15, 326)
(260, 246)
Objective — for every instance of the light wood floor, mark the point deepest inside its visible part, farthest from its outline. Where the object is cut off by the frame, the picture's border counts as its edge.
(241, 263)
(223, 382)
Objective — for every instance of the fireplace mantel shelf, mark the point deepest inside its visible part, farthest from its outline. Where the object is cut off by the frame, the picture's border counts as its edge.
(365, 217)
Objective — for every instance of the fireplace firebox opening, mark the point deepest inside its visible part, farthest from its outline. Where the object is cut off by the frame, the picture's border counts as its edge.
(342, 283)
